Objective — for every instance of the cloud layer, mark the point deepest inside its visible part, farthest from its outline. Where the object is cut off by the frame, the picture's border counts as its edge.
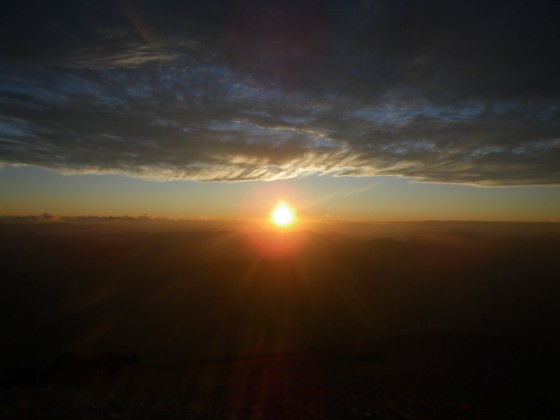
(439, 91)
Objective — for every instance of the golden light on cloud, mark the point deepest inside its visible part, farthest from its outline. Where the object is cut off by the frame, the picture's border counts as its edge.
(283, 215)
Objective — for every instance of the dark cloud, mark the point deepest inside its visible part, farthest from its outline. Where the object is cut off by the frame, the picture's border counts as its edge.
(441, 91)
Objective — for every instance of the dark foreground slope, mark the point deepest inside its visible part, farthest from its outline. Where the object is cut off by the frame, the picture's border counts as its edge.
(426, 377)
(221, 325)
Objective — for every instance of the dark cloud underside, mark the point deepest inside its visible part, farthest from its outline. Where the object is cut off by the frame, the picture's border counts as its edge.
(443, 91)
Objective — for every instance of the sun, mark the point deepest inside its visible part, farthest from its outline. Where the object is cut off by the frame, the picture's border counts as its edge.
(283, 215)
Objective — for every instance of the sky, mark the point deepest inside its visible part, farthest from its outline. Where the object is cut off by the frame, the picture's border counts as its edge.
(351, 110)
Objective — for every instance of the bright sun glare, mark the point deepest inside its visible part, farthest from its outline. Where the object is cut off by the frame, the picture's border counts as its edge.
(283, 215)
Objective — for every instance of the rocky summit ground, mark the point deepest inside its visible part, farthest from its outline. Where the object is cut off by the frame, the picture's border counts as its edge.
(428, 377)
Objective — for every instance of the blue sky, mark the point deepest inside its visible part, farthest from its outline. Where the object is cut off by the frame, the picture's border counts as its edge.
(34, 191)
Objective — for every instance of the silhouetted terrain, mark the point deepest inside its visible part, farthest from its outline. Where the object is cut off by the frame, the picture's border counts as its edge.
(448, 324)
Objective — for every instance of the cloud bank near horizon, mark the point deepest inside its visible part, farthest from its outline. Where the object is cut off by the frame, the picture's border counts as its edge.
(443, 91)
